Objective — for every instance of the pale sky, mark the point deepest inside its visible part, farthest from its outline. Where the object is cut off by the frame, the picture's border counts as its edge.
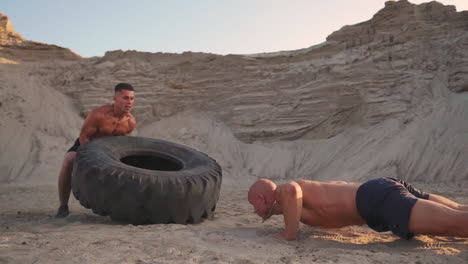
(92, 27)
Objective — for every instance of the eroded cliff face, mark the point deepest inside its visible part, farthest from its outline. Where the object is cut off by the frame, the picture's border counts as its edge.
(385, 97)
(14, 48)
(388, 67)
(429, 36)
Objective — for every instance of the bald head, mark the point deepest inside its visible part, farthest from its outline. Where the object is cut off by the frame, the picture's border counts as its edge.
(261, 186)
(262, 197)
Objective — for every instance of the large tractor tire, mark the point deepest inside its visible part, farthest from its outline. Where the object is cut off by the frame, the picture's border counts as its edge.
(145, 181)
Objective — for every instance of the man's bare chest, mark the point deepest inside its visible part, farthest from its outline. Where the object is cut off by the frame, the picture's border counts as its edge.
(114, 127)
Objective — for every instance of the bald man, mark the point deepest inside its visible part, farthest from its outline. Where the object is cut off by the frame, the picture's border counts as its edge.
(384, 204)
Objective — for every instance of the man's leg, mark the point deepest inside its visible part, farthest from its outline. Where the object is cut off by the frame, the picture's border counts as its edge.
(433, 218)
(433, 197)
(64, 184)
(447, 202)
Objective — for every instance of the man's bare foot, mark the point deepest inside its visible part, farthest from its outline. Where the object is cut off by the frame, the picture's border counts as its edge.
(62, 212)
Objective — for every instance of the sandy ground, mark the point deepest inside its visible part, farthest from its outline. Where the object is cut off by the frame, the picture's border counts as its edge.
(29, 233)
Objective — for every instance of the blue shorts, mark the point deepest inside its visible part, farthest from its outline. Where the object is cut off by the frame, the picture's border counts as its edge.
(385, 204)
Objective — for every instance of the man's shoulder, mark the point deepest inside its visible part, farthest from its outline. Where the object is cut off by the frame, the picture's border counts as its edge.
(101, 110)
(130, 116)
(289, 185)
(104, 108)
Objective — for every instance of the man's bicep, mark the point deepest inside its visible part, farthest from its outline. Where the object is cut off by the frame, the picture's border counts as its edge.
(88, 129)
(132, 123)
(131, 127)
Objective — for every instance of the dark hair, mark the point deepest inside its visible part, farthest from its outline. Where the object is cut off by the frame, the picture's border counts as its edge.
(123, 86)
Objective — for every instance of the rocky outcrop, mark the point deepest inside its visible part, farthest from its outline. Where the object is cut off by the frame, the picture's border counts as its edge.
(8, 35)
(430, 30)
(14, 48)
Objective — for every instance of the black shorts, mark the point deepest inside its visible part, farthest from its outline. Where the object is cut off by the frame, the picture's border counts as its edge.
(75, 146)
(385, 204)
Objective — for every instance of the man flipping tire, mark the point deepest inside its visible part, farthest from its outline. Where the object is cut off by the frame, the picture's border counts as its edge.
(104, 121)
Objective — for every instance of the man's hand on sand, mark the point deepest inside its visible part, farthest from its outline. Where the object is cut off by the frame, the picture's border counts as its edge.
(284, 236)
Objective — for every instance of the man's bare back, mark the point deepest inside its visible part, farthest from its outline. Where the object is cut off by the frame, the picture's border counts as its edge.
(328, 204)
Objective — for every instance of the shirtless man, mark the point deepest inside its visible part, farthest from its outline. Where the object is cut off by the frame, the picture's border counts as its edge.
(384, 204)
(104, 121)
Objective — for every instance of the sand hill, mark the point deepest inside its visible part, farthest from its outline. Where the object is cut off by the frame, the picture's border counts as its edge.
(385, 97)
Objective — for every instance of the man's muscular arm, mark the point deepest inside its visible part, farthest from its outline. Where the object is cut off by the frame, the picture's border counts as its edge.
(291, 203)
(131, 125)
(89, 128)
